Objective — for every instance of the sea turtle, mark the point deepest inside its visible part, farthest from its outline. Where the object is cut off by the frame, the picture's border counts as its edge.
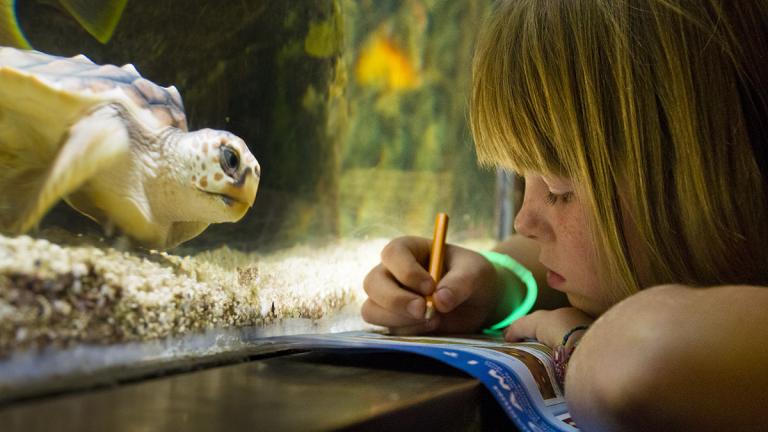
(114, 146)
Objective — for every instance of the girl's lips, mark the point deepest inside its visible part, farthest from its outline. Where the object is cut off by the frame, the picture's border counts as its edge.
(555, 280)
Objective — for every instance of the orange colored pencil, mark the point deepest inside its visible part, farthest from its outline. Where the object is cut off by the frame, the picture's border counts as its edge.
(436, 258)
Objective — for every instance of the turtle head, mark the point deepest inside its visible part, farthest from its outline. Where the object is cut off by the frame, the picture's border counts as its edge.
(224, 171)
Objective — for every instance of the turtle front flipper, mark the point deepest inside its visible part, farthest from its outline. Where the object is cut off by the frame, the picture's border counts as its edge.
(10, 33)
(94, 143)
(98, 17)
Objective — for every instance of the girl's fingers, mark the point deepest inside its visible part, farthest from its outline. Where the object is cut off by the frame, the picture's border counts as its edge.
(398, 324)
(548, 327)
(385, 291)
(405, 258)
(467, 273)
(524, 327)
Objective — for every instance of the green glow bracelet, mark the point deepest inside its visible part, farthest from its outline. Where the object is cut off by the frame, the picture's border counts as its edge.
(503, 262)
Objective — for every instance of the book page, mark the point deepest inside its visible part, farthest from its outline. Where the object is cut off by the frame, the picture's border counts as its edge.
(519, 375)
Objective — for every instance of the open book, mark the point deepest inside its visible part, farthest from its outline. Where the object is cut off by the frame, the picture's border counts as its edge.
(519, 375)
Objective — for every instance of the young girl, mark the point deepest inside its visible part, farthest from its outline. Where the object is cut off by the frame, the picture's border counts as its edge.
(640, 127)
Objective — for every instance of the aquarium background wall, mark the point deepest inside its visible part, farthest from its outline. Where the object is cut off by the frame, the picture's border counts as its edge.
(356, 110)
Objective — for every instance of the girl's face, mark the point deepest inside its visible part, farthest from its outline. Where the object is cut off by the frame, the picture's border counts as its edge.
(553, 215)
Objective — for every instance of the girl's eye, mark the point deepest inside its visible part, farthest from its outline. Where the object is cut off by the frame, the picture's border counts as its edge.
(553, 199)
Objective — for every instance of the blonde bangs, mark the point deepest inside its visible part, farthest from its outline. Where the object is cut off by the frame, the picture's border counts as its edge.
(510, 122)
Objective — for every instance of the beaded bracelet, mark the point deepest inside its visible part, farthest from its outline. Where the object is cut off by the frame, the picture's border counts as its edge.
(563, 354)
(501, 261)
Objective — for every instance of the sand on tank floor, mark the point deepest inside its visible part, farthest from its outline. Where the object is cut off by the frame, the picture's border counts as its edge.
(56, 296)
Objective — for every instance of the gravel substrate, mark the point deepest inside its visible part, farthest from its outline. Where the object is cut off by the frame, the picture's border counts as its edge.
(57, 296)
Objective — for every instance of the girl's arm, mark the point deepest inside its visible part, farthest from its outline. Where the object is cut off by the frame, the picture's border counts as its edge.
(675, 358)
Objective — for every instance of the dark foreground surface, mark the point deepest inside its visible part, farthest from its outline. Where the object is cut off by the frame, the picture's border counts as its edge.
(277, 391)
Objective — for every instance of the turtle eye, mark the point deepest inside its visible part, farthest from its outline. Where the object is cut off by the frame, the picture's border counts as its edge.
(230, 161)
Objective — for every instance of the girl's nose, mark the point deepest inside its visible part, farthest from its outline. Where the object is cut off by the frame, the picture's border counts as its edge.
(528, 222)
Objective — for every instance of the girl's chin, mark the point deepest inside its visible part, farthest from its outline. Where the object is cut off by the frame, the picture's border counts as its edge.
(591, 307)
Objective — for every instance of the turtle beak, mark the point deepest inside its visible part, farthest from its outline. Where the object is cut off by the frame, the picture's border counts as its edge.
(242, 192)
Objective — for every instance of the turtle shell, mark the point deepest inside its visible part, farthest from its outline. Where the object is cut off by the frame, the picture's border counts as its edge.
(81, 78)
(42, 99)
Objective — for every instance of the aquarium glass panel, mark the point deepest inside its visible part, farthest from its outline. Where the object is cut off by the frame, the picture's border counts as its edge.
(356, 112)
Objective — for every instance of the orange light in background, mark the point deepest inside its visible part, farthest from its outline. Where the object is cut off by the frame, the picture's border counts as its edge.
(383, 64)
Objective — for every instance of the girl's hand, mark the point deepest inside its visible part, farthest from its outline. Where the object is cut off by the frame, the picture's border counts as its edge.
(464, 298)
(548, 327)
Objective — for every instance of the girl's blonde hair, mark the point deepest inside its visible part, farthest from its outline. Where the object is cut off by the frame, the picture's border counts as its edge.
(658, 108)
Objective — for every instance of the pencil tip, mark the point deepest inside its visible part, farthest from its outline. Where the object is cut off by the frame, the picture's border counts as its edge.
(430, 312)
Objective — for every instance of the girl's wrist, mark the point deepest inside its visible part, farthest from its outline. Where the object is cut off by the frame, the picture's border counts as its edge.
(563, 352)
(518, 290)
(507, 293)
